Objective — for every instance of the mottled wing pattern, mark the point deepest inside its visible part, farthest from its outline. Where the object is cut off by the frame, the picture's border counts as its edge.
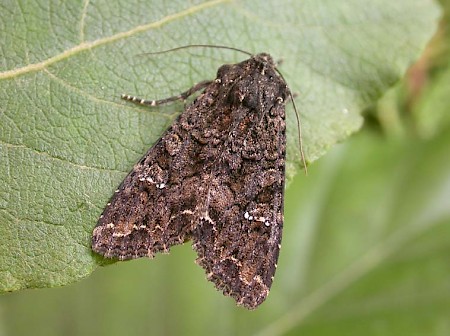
(239, 237)
(157, 205)
(217, 177)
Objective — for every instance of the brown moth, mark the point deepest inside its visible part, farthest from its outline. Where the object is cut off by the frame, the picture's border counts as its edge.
(215, 177)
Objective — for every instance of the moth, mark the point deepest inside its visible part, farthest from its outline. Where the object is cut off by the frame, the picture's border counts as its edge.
(215, 177)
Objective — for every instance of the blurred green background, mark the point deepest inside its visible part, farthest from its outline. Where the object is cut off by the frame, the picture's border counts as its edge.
(366, 245)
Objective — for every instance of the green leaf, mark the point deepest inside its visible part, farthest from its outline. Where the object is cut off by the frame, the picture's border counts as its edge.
(67, 140)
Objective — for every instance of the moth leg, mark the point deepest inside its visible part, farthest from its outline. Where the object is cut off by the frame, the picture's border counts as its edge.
(181, 96)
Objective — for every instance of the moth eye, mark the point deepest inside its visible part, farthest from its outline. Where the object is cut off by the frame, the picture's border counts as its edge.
(223, 71)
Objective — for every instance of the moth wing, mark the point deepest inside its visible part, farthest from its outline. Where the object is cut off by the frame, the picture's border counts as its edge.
(238, 239)
(159, 203)
(151, 210)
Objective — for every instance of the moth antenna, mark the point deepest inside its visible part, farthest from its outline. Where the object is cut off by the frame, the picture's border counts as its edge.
(300, 142)
(299, 126)
(199, 46)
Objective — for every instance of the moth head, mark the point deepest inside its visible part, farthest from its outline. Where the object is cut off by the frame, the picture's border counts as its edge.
(265, 59)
